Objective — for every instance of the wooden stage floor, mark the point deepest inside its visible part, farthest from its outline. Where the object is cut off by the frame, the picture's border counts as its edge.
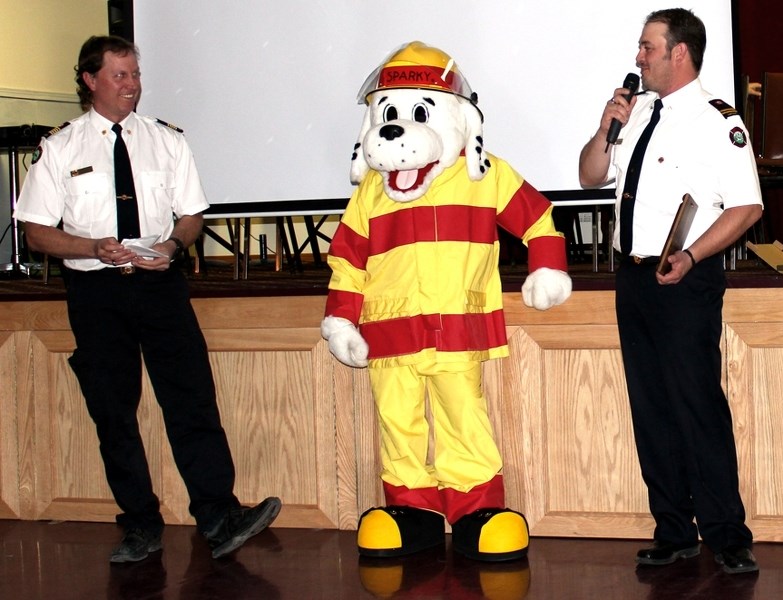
(69, 560)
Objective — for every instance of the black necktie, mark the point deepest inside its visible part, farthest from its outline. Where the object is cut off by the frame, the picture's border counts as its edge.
(127, 207)
(632, 181)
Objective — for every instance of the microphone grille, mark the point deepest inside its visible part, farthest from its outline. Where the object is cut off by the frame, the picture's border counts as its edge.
(631, 82)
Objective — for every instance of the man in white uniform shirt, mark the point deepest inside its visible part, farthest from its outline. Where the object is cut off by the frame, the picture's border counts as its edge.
(125, 303)
(670, 325)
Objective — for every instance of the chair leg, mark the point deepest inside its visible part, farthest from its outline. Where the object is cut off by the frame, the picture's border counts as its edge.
(193, 264)
(199, 262)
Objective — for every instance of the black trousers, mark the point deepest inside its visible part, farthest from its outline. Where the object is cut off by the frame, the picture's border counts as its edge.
(670, 340)
(117, 319)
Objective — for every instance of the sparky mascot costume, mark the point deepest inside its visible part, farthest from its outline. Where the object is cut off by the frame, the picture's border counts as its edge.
(415, 295)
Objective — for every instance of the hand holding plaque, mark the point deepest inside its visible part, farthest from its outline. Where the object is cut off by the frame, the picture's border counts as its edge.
(678, 232)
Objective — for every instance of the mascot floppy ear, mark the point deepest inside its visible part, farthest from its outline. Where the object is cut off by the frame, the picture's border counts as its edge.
(475, 157)
(359, 166)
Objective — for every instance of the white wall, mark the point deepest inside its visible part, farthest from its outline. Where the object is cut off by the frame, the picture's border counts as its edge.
(39, 45)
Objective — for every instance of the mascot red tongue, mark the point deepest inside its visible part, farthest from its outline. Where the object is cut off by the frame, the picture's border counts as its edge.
(415, 296)
(405, 180)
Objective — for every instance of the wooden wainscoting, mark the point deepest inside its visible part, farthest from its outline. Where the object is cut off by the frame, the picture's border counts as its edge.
(302, 426)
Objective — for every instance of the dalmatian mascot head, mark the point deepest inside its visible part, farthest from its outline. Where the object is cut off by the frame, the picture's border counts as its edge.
(421, 115)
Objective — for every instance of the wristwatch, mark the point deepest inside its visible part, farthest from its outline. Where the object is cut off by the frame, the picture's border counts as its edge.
(180, 247)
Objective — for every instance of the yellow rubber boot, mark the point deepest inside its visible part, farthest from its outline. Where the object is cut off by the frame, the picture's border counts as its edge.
(378, 531)
(399, 530)
(492, 535)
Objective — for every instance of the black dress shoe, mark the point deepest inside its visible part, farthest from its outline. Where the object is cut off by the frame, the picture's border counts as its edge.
(663, 553)
(240, 524)
(136, 545)
(737, 559)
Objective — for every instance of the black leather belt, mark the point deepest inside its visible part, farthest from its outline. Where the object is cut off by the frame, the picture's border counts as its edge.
(123, 271)
(127, 272)
(637, 260)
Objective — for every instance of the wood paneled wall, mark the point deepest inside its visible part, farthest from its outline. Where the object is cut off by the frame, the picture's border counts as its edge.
(302, 426)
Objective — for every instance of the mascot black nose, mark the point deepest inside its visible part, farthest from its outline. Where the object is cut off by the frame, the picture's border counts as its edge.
(391, 132)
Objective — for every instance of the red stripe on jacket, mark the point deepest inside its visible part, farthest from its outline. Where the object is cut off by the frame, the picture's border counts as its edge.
(350, 246)
(445, 333)
(450, 223)
(523, 210)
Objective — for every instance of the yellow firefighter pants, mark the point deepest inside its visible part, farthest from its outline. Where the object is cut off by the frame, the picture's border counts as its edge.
(465, 453)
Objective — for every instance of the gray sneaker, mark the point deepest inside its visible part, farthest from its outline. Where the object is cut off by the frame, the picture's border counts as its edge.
(240, 524)
(136, 545)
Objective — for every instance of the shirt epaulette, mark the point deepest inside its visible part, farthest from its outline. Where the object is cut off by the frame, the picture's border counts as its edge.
(169, 125)
(725, 109)
(54, 130)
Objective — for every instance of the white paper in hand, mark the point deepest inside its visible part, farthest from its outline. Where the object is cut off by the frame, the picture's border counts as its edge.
(142, 247)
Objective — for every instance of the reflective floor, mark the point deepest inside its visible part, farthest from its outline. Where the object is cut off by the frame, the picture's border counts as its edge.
(56, 561)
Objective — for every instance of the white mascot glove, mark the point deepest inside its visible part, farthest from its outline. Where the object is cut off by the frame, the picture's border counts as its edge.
(345, 341)
(545, 288)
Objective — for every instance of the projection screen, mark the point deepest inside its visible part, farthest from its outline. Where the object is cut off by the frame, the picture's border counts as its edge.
(266, 90)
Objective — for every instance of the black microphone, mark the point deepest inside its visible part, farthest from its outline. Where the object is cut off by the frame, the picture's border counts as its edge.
(631, 83)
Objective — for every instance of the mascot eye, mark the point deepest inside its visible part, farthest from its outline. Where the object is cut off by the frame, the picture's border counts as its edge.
(390, 113)
(420, 113)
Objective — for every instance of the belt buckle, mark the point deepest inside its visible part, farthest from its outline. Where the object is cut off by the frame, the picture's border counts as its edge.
(637, 260)
(127, 270)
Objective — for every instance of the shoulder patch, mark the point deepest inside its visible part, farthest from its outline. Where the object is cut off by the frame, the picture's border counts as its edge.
(54, 130)
(725, 109)
(737, 137)
(37, 154)
(169, 125)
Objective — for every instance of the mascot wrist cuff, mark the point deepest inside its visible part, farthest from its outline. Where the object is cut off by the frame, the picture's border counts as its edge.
(547, 251)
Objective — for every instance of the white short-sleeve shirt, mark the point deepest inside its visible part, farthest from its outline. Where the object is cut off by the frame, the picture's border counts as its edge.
(72, 179)
(698, 148)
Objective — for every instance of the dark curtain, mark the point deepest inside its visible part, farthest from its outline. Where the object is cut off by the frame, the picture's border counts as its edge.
(760, 47)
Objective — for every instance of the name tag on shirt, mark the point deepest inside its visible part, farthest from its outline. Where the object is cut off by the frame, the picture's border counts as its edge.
(82, 171)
